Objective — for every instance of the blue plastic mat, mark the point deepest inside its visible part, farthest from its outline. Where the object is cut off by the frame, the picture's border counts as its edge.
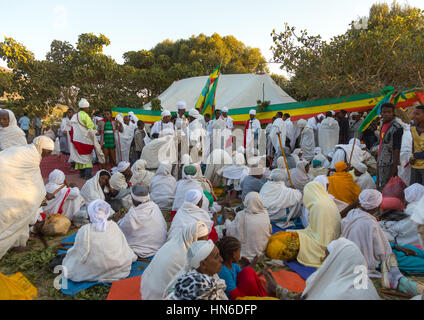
(137, 269)
(300, 269)
(410, 264)
(298, 225)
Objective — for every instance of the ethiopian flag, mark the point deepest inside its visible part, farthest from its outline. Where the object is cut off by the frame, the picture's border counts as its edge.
(201, 102)
(389, 93)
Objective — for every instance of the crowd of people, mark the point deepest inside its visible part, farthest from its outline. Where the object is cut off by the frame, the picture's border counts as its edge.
(315, 191)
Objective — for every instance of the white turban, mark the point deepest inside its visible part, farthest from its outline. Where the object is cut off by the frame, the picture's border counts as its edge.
(278, 175)
(414, 192)
(370, 199)
(165, 113)
(181, 105)
(252, 112)
(99, 211)
(194, 113)
(83, 104)
(198, 252)
(225, 109)
(43, 142)
(193, 196)
(323, 180)
(301, 123)
(321, 116)
(281, 164)
(357, 143)
(140, 193)
(330, 153)
(362, 168)
(138, 166)
(56, 177)
(333, 112)
(122, 166)
(202, 229)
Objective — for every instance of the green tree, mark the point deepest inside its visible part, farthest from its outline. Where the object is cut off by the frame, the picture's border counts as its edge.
(387, 51)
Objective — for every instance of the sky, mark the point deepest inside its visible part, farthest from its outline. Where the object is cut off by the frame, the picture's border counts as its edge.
(136, 25)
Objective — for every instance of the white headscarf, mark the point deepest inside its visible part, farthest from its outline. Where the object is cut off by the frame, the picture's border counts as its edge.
(224, 110)
(124, 165)
(56, 177)
(83, 104)
(253, 203)
(252, 112)
(99, 211)
(181, 105)
(12, 135)
(370, 199)
(193, 196)
(164, 169)
(414, 192)
(194, 113)
(301, 123)
(299, 176)
(43, 142)
(165, 113)
(362, 168)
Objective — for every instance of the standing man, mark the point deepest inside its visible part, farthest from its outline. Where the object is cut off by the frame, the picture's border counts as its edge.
(291, 132)
(344, 127)
(23, 123)
(37, 125)
(107, 128)
(82, 146)
(417, 158)
(163, 127)
(126, 137)
(390, 142)
(278, 126)
(229, 126)
(181, 122)
(253, 126)
(139, 138)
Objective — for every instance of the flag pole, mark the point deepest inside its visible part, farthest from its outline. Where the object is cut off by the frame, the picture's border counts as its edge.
(285, 160)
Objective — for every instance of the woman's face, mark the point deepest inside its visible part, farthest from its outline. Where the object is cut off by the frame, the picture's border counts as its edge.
(103, 180)
(237, 255)
(212, 264)
(4, 120)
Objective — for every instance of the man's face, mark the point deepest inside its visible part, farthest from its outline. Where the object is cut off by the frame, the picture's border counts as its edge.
(217, 114)
(166, 119)
(418, 115)
(127, 120)
(107, 115)
(252, 116)
(141, 126)
(70, 113)
(387, 114)
(224, 114)
(285, 118)
(4, 120)
(104, 180)
(207, 119)
(45, 153)
(357, 173)
(181, 112)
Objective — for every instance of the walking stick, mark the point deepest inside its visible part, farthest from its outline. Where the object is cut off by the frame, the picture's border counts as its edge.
(351, 153)
(285, 160)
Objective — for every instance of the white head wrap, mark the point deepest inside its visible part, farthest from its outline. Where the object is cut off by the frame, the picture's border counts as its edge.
(370, 199)
(193, 196)
(333, 112)
(301, 123)
(43, 142)
(414, 192)
(277, 175)
(138, 166)
(83, 104)
(99, 211)
(357, 143)
(56, 177)
(181, 105)
(165, 113)
(202, 229)
(281, 164)
(194, 113)
(225, 110)
(252, 112)
(362, 168)
(330, 153)
(317, 150)
(140, 193)
(321, 116)
(198, 252)
(122, 166)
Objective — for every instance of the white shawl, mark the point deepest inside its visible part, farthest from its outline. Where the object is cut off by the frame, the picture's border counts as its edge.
(307, 142)
(363, 229)
(162, 188)
(99, 256)
(278, 126)
(21, 193)
(92, 190)
(144, 228)
(140, 174)
(83, 135)
(182, 187)
(299, 176)
(365, 181)
(12, 135)
(336, 278)
(160, 150)
(170, 259)
(328, 134)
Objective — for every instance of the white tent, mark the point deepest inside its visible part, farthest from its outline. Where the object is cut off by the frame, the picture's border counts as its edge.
(233, 91)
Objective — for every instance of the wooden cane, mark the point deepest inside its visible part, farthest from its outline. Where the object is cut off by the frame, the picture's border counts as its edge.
(351, 153)
(143, 260)
(54, 193)
(285, 160)
(398, 294)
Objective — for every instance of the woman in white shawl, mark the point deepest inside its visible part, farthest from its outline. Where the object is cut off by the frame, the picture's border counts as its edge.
(143, 225)
(251, 227)
(307, 139)
(100, 252)
(198, 279)
(188, 182)
(10, 134)
(67, 201)
(193, 209)
(21, 190)
(170, 259)
(361, 227)
(236, 172)
(283, 204)
(162, 187)
(318, 155)
(139, 173)
(300, 176)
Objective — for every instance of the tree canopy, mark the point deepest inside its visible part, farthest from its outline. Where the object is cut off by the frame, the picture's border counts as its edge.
(385, 49)
(70, 72)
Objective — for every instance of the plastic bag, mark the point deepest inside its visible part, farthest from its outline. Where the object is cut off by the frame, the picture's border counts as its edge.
(395, 189)
(16, 287)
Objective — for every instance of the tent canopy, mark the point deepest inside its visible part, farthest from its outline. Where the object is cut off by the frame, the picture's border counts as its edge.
(233, 91)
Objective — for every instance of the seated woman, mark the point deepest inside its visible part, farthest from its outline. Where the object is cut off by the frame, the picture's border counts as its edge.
(198, 279)
(341, 184)
(250, 226)
(361, 227)
(308, 245)
(120, 181)
(67, 200)
(300, 175)
(139, 173)
(362, 178)
(162, 187)
(335, 279)
(170, 259)
(192, 210)
(240, 282)
(205, 183)
(100, 252)
(283, 204)
(188, 182)
(143, 225)
(10, 134)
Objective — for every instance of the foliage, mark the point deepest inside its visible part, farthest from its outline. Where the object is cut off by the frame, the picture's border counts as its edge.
(262, 105)
(387, 51)
(156, 104)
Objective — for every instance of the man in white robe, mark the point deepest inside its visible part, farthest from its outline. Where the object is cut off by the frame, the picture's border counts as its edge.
(10, 134)
(65, 128)
(125, 137)
(315, 122)
(307, 140)
(143, 226)
(291, 131)
(328, 133)
(181, 122)
(278, 126)
(163, 127)
(229, 126)
(362, 178)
